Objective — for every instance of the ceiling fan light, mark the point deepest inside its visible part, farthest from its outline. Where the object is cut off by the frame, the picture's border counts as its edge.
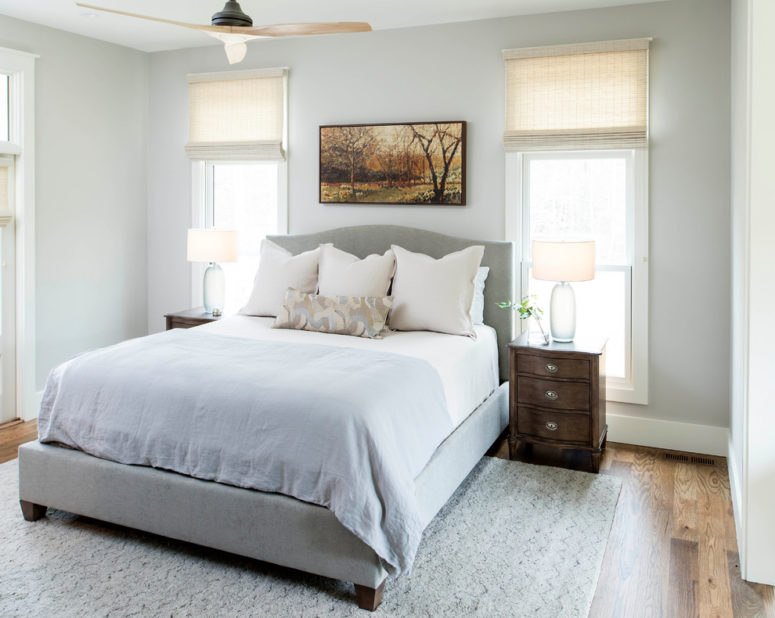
(231, 15)
(235, 52)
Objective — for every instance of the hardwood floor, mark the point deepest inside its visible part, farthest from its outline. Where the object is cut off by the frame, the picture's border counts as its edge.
(672, 550)
(11, 436)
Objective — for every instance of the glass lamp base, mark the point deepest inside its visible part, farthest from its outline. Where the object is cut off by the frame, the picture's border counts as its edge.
(214, 289)
(562, 313)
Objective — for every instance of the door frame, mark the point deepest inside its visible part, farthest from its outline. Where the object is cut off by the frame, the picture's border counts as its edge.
(20, 66)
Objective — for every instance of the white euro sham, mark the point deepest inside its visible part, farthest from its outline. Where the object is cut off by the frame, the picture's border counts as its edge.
(435, 295)
(279, 270)
(344, 274)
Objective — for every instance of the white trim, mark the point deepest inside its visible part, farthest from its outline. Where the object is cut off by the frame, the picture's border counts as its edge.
(596, 47)
(673, 435)
(23, 55)
(21, 67)
(736, 492)
(9, 148)
(222, 76)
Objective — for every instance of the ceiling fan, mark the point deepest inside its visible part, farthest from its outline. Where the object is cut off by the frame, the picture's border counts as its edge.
(234, 28)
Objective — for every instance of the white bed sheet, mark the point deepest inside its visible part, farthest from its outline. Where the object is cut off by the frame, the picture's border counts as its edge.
(468, 367)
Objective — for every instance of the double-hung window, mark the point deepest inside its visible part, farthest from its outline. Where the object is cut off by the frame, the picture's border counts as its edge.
(576, 169)
(237, 135)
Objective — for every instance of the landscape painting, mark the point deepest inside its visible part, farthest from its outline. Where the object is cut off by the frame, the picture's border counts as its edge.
(401, 164)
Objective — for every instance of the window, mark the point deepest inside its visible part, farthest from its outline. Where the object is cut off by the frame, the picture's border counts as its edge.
(4, 108)
(576, 168)
(242, 196)
(237, 134)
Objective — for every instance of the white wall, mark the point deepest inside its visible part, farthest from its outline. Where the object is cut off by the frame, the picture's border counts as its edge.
(91, 103)
(453, 72)
(753, 338)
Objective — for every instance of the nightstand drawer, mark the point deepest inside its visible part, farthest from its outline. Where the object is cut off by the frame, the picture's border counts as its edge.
(552, 394)
(177, 323)
(543, 366)
(564, 426)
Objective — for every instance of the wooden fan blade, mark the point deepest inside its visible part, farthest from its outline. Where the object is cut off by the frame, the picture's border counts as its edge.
(159, 19)
(334, 27)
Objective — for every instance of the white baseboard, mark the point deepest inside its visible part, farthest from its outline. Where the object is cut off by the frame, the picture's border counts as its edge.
(736, 489)
(673, 435)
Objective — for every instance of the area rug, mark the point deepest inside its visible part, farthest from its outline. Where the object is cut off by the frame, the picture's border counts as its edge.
(515, 540)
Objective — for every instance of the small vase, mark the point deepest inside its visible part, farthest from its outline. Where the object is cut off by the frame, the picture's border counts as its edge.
(538, 337)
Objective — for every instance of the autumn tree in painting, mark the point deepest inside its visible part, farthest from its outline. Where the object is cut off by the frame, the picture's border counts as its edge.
(351, 146)
(437, 142)
(421, 163)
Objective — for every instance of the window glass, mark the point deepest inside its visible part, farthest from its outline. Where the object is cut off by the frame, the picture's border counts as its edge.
(581, 199)
(243, 198)
(586, 198)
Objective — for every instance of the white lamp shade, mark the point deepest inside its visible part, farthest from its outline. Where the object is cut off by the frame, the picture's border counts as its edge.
(212, 246)
(564, 261)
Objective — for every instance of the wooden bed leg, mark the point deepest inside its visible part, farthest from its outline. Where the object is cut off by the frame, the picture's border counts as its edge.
(369, 598)
(32, 511)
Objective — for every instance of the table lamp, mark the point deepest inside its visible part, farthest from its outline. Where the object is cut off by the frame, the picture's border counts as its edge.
(563, 262)
(213, 246)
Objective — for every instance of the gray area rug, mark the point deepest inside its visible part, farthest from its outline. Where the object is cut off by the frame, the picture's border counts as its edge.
(515, 540)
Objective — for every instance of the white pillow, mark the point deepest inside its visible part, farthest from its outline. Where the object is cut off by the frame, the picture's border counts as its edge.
(344, 274)
(477, 305)
(435, 295)
(279, 270)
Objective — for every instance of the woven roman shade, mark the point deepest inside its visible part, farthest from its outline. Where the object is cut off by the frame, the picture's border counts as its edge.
(577, 97)
(237, 116)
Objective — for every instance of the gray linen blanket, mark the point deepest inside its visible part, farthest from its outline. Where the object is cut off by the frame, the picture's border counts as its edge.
(343, 428)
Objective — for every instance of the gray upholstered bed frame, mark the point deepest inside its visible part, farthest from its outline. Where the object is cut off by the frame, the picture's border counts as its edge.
(273, 527)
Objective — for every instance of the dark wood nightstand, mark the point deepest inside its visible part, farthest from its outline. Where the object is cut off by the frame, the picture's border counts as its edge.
(557, 396)
(189, 318)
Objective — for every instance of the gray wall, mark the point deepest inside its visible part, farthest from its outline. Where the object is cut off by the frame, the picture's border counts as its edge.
(90, 117)
(455, 72)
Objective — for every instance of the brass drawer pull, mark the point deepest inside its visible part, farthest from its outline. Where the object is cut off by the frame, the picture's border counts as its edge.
(551, 367)
(551, 395)
(552, 426)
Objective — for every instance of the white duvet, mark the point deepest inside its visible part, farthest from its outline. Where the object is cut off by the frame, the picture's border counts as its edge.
(468, 367)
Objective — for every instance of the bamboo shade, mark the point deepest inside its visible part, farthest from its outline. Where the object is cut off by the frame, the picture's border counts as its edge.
(237, 116)
(587, 96)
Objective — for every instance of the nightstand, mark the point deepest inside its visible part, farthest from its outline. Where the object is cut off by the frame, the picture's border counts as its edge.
(189, 318)
(557, 396)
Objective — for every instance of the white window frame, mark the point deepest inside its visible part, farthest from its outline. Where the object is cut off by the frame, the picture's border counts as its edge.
(202, 207)
(634, 388)
(20, 66)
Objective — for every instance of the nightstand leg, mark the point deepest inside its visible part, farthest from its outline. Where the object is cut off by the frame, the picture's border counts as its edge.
(596, 462)
(513, 446)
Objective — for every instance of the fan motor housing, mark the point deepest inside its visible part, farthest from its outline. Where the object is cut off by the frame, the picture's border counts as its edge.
(231, 15)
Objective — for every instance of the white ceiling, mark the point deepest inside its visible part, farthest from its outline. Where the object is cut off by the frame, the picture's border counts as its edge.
(381, 14)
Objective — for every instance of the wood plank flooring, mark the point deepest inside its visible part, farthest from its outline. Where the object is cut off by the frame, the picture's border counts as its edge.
(672, 550)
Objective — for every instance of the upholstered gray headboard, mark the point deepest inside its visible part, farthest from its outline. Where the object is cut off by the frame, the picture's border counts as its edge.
(363, 240)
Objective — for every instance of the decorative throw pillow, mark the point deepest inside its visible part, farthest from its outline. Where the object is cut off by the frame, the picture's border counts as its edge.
(279, 270)
(360, 316)
(436, 295)
(344, 274)
(477, 305)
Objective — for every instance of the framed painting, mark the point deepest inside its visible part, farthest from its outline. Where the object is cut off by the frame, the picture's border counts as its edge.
(412, 163)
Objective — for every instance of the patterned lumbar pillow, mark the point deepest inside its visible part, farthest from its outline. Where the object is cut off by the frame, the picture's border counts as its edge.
(360, 316)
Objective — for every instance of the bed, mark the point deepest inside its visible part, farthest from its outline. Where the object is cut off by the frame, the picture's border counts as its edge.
(275, 527)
